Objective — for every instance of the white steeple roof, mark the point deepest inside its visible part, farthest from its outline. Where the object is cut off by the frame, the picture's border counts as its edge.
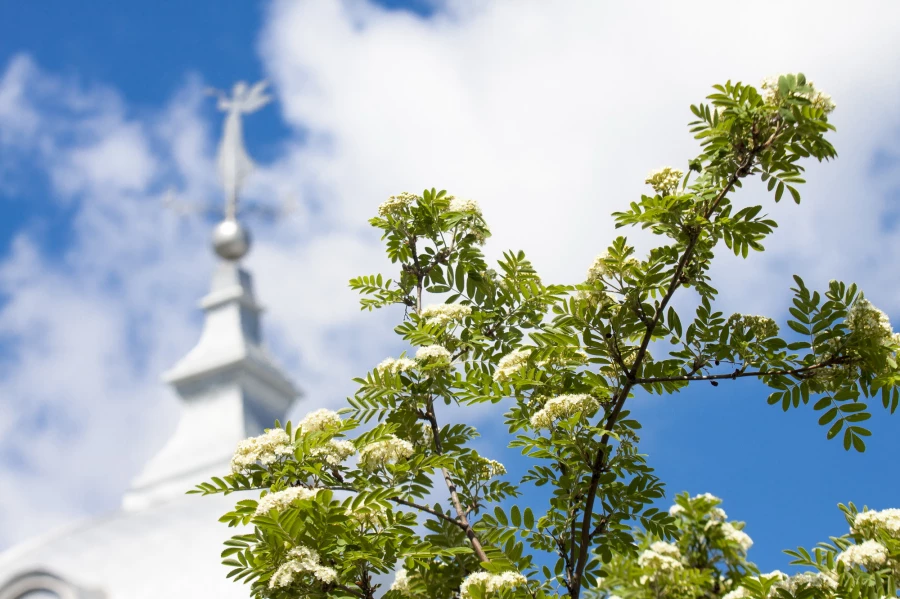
(230, 389)
(229, 385)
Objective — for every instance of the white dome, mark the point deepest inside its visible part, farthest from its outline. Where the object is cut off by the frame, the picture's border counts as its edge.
(164, 544)
(168, 550)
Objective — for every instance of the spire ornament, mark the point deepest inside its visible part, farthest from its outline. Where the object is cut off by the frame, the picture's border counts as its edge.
(231, 240)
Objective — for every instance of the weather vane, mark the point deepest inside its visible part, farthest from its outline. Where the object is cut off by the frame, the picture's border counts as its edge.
(231, 240)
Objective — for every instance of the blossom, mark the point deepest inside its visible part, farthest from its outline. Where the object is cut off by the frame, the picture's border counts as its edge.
(871, 521)
(280, 500)
(564, 406)
(381, 453)
(816, 580)
(335, 451)
(370, 516)
(320, 420)
(665, 181)
(397, 203)
(675, 510)
(265, 449)
(738, 593)
(866, 320)
(630, 354)
(742, 592)
(739, 537)
(427, 435)
(444, 314)
(489, 468)
(598, 269)
(464, 205)
(707, 497)
(667, 559)
(869, 554)
(303, 560)
(663, 548)
(434, 354)
(395, 366)
(401, 583)
(510, 364)
(491, 582)
(772, 96)
(760, 327)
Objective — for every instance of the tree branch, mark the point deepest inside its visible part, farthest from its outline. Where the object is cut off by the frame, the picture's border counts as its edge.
(451, 487)
(397, 500)
(738, 374)
(461, 521)
(622, 396)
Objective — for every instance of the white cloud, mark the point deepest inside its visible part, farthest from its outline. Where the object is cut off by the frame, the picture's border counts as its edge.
(549, 115)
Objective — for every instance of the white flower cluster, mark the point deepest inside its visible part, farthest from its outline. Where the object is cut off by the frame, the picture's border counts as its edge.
(427, 435)
(630, 354)
(510, 364)
(738, 593)
(810, 580)
(598, 269)
(464, 205)
(772, 96)
(869, 554)
(676, 510)
(370, 517)
(707, 497)
(734, 535)
(491, 583)
(280, 500)
(489, 468)
(335, 451)
(401, 583)
(668, 549)
(760, 326)
(743, 593)
(395, 365)
(265, 449)
(380, 453)
(564, 406)
(870, 322)
(319, 420)
(661, 557)
(434, 354)
(665, 181)
(396, 203)
(830, 378)
(870, 522)
(444, 314)
(303, 560)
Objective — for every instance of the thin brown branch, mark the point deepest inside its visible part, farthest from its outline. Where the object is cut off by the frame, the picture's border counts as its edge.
(461, 520)
(451, 487)
(399, 501)
(622, 395)
(739, 374)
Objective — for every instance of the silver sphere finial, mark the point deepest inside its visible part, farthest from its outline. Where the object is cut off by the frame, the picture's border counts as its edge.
(231, 239)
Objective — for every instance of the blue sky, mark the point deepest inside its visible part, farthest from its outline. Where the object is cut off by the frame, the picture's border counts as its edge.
(550, 118)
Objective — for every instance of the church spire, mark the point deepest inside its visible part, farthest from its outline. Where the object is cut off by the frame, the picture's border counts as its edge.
(229, 386)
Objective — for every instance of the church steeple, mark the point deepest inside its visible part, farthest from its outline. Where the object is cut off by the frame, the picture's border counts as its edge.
(230, 388)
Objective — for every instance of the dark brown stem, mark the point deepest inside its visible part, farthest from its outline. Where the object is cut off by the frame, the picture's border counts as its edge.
(451, 487)
(399, 501)
(347, 589)
(631, 376)
(461, 520)
(737, 375)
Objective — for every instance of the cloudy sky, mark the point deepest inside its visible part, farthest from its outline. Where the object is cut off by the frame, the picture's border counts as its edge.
(549, 114)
